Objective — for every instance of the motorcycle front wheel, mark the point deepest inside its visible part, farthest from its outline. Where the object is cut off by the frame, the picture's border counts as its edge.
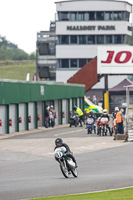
(89, 131)
(64, 169)
(74, 172)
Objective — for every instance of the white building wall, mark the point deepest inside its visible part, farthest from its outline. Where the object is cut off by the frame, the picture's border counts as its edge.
(121, 27)
(64, 75)
(76, 51)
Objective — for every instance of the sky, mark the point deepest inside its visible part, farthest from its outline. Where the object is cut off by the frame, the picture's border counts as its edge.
(20, 20)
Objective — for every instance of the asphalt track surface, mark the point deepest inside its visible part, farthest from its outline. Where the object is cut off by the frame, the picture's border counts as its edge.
(28, 168)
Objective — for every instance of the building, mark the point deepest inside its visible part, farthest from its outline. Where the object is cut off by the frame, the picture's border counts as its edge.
(81, 26)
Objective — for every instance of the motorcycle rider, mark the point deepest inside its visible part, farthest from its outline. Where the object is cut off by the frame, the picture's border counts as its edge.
(105, 115)
(78, 111)
(92, 115)
(59, 143)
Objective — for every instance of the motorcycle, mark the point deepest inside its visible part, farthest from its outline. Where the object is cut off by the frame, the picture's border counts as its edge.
(99, 126)
(66, 163)
(104, 126)
(74, 120)
(90, 126)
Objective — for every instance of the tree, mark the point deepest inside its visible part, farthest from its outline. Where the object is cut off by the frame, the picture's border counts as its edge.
(10, 51)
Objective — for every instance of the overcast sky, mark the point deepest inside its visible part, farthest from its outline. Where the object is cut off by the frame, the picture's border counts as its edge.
(20, 20)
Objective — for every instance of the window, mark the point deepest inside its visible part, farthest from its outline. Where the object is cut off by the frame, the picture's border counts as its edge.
(73, 39)
(63, 16)
(100, 15)
(118, 39)
(73, 16)
(118, 16)
(109, 39)
(65, 63)
(100, 39)
(64, 39)
(81, 16)
(86, 16)
(108, 16)
(90, 39)
(82, 39)
(73, 63)
(126, 16)
(91, 15)
(82, 62)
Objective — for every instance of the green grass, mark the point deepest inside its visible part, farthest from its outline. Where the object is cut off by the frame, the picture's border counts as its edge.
(18, 71)
(122, 194)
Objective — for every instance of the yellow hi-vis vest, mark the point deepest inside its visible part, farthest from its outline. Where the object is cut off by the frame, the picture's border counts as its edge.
(79, 112)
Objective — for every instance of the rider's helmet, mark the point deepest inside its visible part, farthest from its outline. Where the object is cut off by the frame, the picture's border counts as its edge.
(74, 108)
(105, 111)
(91, 111)
(58, 142)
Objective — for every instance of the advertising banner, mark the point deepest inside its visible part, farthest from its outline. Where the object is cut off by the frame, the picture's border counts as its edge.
(115, 60)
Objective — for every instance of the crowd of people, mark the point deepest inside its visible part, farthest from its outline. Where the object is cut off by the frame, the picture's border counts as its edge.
(49, 116)
(97, 101)
(117, 118)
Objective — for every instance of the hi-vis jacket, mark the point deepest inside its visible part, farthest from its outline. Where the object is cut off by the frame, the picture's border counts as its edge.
(119, 117)
(79, 112)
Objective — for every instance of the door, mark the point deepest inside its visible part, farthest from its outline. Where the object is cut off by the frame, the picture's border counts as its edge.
(22, 115)
(3, 118)
(13, 118)
(31, 115)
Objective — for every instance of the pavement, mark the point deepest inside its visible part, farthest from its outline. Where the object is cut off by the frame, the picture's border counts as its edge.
(40, 129)
(41, 146)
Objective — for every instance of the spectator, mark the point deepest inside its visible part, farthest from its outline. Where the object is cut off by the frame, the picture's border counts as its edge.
(119, 121)
(88, 97)
(100, 102)
(114, 119)
(94, 100)
(46, 116)
(122, 121)
(52, 116)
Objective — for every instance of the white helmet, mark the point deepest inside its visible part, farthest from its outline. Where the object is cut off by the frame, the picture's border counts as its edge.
(105, 111)
(91, 111)
(116, 109)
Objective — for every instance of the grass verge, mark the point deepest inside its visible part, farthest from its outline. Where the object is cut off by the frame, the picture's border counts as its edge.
(17, 72)
(121, 194)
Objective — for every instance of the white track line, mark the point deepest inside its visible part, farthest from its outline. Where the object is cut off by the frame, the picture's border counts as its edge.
(104, 190)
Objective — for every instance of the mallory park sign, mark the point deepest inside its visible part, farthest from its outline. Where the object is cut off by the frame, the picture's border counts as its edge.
(90, 28)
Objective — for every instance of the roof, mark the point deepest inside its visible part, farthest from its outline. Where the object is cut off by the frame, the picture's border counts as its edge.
(85, 74)
(93, 0)
(120, 87)
(113, 80)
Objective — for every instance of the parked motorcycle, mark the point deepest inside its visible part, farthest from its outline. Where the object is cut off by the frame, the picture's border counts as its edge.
(74, 120)
(67, 165)
(90, 126)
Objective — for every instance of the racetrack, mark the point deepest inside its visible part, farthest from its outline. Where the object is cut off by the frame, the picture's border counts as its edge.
(28, 168)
